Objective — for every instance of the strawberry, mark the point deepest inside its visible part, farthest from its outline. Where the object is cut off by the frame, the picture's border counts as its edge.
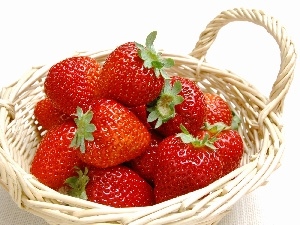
(185, 163)
(133, 74)
(54, 160)
(180, 102)
(218, 109)
(116, 186)
(230, 149)
(47, 115)
(73, 82)
(109, 134)
(141, 112)
(145, 163)
(229, 145)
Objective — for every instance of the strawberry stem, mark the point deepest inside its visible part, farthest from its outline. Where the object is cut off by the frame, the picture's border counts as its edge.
(152, 59)
(84, 129)
(164, 107)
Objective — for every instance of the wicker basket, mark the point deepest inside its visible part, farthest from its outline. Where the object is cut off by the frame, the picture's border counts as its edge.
(261, 129)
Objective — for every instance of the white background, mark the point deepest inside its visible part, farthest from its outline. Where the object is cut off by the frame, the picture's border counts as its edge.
(40, 32)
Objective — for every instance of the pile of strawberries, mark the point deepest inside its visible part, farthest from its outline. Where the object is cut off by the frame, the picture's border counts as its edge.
(125, 133)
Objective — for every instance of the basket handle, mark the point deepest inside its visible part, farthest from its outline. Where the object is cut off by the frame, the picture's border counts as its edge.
(287, 50)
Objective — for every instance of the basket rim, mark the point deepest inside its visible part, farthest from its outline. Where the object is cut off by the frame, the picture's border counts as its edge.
(35, 197)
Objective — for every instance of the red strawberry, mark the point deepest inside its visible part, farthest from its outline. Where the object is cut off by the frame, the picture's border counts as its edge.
(228, 144)
(47, 115)
(141, 112)
(145, 163)
(134, 74)
(109, 134)
(116, 186)
(73, 82)
(181, 102)
(218, 109)
(230, 149)
(185, 163)
(54, 160)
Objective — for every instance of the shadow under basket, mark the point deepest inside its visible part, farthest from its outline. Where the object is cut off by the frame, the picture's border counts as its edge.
(261, 129)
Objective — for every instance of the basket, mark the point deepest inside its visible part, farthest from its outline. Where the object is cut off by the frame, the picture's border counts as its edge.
(261, 128)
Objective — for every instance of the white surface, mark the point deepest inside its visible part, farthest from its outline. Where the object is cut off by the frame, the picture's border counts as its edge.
(38, 32)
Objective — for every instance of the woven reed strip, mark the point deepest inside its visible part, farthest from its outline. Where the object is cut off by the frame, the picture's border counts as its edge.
(261, 129)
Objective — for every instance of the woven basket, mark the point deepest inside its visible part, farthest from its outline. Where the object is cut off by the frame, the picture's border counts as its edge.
(261, 128)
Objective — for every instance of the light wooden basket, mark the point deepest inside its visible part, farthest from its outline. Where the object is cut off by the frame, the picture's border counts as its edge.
(261, 129)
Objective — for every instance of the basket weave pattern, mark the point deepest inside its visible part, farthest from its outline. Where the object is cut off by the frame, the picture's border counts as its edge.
(261, 129)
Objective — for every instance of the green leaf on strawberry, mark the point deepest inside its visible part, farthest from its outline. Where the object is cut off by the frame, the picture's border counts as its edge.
(164, 107)
(78, 184)
(186, 138)
(215, 128)
(235, 121)
(84, 129)
(152, 59)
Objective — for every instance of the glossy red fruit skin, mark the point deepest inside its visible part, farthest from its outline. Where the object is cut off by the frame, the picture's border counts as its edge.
(119, 136)
(125, 79)
(218, 110)
(73, 82)
(54, 161)
(191, 112)
(145, 164)
(230, 149)
(141, 112)
(182, 168)
(118, 186)
(47, 115)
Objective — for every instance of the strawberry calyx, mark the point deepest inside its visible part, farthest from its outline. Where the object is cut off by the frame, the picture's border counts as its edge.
(163, 108)
(84, 129)
(215, 128)
(153, 59)
(235, 121)
(187, 138)
(78, 183)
